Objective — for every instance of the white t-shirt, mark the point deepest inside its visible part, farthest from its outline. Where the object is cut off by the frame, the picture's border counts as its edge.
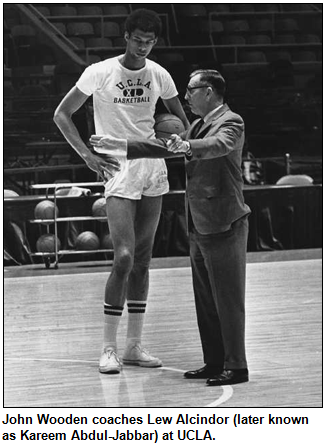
(124, 100)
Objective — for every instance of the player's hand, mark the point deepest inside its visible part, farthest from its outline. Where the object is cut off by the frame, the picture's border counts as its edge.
(176, 144)
(109, 145)
(106, 166)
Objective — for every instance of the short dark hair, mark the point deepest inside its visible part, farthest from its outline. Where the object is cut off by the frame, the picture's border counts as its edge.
(212, 77)
(144, 19)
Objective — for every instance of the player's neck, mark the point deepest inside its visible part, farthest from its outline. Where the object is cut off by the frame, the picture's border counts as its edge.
(131, 63)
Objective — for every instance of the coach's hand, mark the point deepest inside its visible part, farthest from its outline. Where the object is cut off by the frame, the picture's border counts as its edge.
(106, 144)
(176, 144)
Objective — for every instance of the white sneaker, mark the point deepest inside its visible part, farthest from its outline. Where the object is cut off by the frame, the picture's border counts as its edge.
(110, 362)
(137, 355)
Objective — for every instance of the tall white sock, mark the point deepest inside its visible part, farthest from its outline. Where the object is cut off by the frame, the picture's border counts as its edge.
(112, 318)
(136, 316)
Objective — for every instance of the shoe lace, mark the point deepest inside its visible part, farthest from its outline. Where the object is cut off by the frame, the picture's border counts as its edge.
(113, 353)
(144, 351)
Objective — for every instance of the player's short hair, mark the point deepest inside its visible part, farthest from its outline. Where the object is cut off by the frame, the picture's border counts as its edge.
(213, 78)
(144, 19)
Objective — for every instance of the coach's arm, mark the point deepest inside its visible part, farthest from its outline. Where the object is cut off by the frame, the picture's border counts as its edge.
(131, 149)
(151, 148)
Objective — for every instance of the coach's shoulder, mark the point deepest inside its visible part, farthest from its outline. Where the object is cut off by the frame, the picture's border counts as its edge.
(229, 114)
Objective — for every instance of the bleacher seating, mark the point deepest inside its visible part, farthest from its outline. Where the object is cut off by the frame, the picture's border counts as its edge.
(119, 42)
(262, 25)
(78, 42)
(33, 98)
(23, 34)
(233, 39)
(252, 57)
(115, 9)
(278, 55)
(285, 38)
(215, 27)
(61, 27)
(267, 7)
(63, 10)
(259, 39)
(288, 25)
(295, 7)
(242, 7)
(89, 10)
(304, 56)
(236, 26)
(107, 29)
(76, 29)
(218, 7)
(99, 42)
(192, 10)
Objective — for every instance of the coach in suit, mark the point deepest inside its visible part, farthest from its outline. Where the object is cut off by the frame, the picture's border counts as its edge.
(217, 222)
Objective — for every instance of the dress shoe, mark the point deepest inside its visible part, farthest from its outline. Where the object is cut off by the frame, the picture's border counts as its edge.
(228, 377)
(208, 371)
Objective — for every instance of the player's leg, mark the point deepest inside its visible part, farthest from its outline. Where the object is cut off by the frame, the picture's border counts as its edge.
(121, 219)
(121, 214)
(146, 222)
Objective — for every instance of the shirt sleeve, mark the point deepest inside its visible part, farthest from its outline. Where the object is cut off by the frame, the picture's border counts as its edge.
(169, 90)
(88, 81)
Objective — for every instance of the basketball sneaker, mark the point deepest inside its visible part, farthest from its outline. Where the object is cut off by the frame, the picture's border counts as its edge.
(110, 362)
(137, 355)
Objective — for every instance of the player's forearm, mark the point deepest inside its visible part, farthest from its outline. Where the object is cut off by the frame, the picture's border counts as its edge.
(71, 134)
(174, 106)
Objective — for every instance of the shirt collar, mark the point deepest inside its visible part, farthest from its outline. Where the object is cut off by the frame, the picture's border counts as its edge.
(211, 113)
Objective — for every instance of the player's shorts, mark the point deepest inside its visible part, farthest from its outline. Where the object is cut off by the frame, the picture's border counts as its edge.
(139, 177)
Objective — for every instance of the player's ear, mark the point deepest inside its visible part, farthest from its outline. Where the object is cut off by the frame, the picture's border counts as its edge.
(126, 36)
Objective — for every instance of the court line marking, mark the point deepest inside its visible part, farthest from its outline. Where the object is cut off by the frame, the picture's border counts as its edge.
(57, 276)
(226, 395)
(83, 361)
(227, 391)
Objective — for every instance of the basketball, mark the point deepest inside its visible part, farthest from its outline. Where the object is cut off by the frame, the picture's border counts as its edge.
(46, 243)
(99, 208)
(87, 241)
(166, 124)
(46, 210)
(106, 242)
(8, 193)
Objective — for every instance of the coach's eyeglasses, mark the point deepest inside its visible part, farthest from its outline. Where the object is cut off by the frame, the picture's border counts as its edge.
(189, 89)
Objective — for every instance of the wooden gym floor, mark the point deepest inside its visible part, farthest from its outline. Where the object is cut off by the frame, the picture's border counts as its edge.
(53, 336)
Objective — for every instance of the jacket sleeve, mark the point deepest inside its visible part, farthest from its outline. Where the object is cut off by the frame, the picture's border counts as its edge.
(227, 138)
(149, 148)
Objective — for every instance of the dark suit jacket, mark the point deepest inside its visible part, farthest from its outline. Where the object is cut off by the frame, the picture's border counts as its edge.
(214, 179)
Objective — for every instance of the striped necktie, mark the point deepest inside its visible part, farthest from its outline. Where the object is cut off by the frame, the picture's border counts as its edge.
(197, 128)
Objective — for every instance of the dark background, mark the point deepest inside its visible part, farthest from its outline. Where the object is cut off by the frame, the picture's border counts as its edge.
(271, 57)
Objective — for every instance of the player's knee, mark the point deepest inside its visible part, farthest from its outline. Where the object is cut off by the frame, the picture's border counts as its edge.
(142, 264)
(123, 262)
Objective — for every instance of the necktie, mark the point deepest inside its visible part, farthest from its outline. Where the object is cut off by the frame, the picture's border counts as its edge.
(197, 128)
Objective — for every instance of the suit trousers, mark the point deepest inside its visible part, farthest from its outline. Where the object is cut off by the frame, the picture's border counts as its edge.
(218, 263)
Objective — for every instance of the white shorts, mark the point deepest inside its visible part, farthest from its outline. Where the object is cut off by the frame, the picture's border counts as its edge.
(139, 177)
